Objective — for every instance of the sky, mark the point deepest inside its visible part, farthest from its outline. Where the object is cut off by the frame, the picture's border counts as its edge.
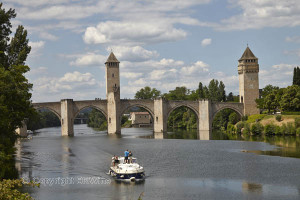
(161, 44)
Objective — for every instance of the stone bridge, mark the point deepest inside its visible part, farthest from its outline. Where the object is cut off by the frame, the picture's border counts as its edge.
(159, 109)
(114, 107)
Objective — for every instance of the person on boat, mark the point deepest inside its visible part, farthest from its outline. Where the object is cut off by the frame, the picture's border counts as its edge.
(115, 160)
(126, 154)
(130, 157)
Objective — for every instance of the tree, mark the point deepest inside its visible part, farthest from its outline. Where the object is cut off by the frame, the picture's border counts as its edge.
(147, 93)
(230, 97)
(296, 76)
(290, 100)
(222, 93)
(97, 120)
(268, 94)
(15, 103)
(180, 93)
(201, 91)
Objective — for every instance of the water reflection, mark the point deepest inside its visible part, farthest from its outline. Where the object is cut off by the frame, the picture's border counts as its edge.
(288, 146)
(252, 187)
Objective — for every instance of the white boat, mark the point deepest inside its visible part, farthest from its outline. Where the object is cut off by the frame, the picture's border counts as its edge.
(126, 171)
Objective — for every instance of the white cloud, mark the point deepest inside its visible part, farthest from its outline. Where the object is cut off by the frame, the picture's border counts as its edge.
(133, 33)
(130, 75)
(134, 54)
(195, 69)
(36, 48)
(70, 85)
(259, 14)
(279, 75)
(48, 36)
(89, 59)
(206, 42)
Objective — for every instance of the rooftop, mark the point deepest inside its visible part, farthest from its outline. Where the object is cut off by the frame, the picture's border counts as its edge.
(112, 58)
(248, 54)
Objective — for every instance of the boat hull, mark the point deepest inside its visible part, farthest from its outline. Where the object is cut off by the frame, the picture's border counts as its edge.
(128, 176)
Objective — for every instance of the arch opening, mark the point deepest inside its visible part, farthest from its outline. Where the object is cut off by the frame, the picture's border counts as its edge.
(137, 117)
(225, 119)
(182, 123)
(44, 118)
(90, 120)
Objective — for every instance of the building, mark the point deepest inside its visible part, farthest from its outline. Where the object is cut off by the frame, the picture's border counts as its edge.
(248, 69)
(140, 118)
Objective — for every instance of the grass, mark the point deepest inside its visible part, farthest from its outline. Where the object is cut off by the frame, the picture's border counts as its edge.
(271, 119)
(258, 117)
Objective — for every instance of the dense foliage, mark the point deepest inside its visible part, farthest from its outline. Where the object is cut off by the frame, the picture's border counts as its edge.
(97, 120)
(15, 103)
(15, 97)
(42, 120)
(147, 93)
(9, 189)
(296, 76)
(284, 99)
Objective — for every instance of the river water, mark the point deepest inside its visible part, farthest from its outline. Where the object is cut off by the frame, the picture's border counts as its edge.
(76, 167)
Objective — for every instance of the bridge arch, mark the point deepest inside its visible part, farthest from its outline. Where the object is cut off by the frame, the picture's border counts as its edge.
(138, 105)
(183, 105)
(89, 106)
(238, 111)
(50, 109)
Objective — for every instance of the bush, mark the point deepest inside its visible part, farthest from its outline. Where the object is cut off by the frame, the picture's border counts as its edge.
(278, 118)
(283, 129)
(270, 129)
(278, 130)
(231, 128)
(257, 129)
(239, 127)
(245, 118)
(247, 129)
(298, 131)
(290, 128)
(9, 189)
(297, 122)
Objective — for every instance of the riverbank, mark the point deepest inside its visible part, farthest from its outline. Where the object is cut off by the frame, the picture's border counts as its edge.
(268, 125)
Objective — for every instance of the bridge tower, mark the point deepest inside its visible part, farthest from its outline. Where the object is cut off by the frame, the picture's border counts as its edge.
(113, 94)
(248, 69)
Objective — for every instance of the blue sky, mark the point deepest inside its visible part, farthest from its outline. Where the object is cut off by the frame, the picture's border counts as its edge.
(162, 44)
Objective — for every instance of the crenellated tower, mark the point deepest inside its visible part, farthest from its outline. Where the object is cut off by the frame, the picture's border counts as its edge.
(248, 70)
(113, 94)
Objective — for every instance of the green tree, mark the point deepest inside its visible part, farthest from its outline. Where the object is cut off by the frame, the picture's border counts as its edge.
(97, 120)
(15, 103)
(290, 100)
(296, 76)
(222, 93)
(230, 97)
(233, 118)
(201, 91)
(180, 93)
(147, 93)
(268, 94)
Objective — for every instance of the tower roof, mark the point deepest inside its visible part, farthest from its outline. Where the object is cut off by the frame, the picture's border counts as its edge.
(248, 54)
(112, 58)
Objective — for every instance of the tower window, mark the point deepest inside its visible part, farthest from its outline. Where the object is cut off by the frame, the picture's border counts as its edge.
(113, 75)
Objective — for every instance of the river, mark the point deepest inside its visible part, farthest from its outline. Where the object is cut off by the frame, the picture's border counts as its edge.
(231, 168)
